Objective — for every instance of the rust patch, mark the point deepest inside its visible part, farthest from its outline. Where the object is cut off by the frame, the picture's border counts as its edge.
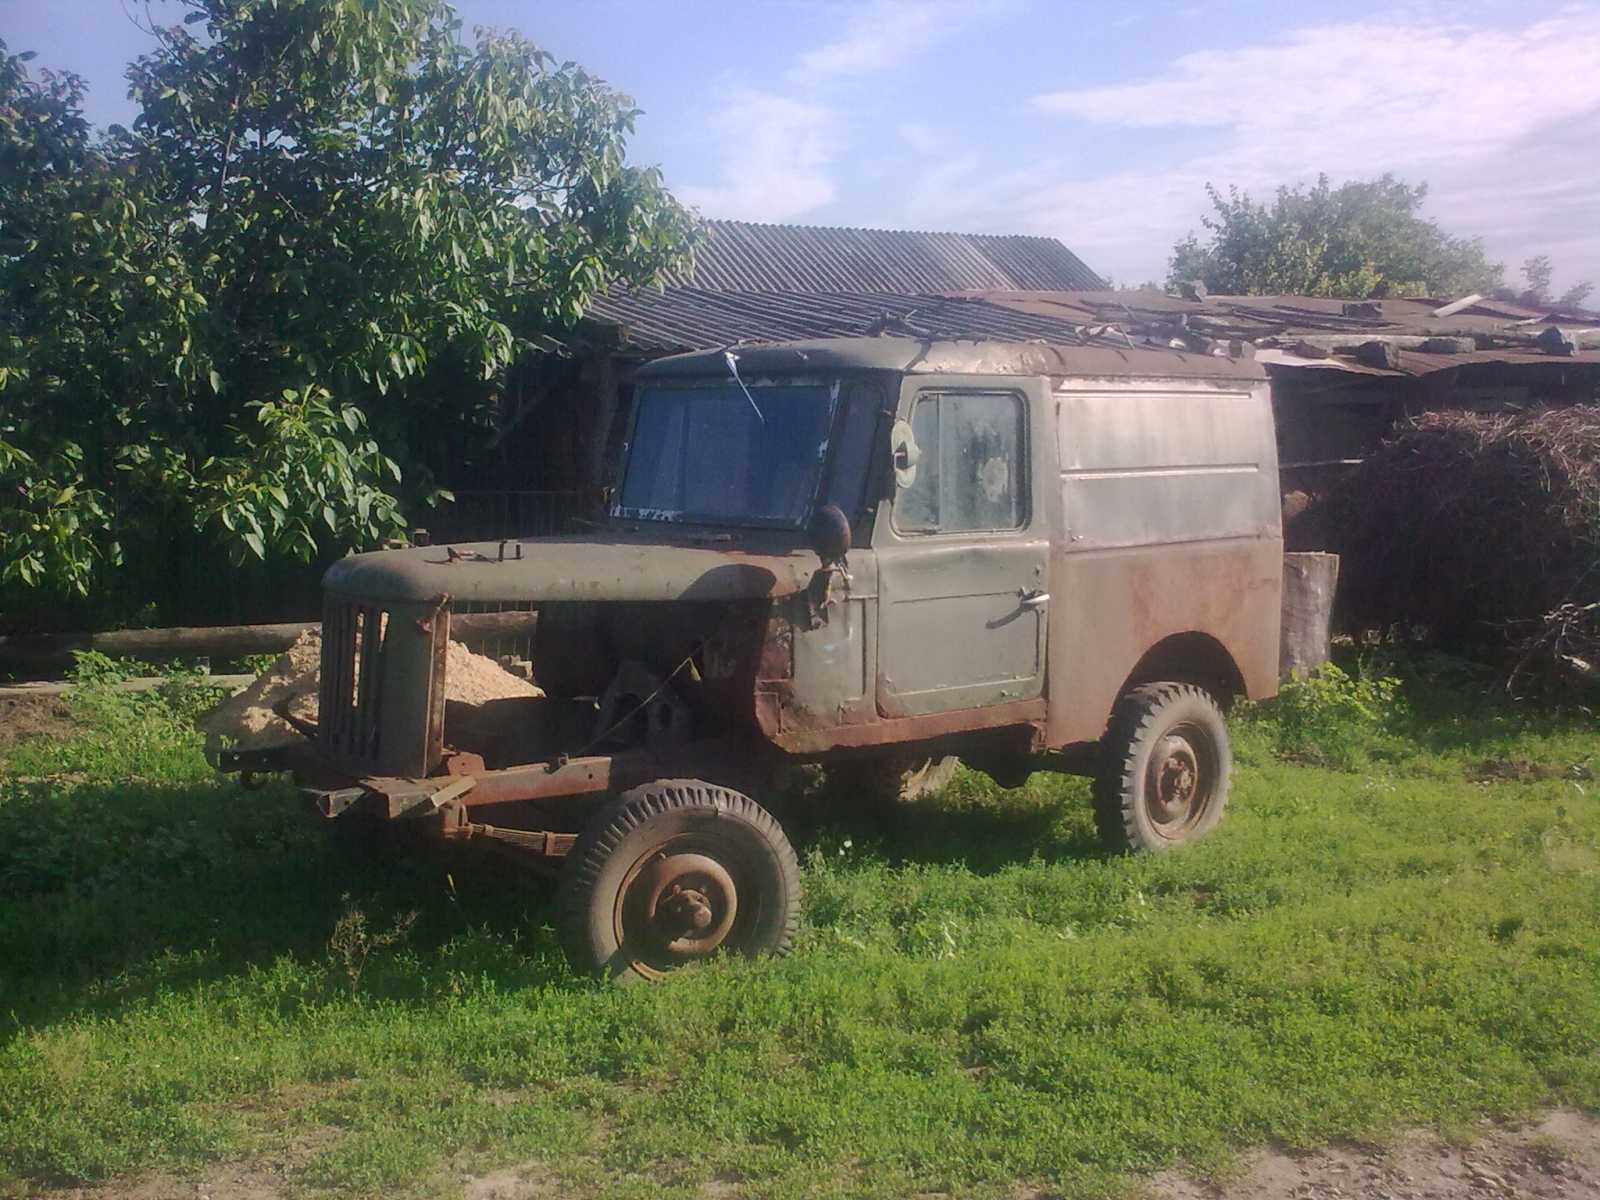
(539, 781)
(440, 626)
(912, 729)
(777, 649)
(769, 715)
(1227, 590)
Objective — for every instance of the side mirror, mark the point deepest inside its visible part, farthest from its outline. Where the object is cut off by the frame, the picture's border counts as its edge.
(904, 453)
(829, 534)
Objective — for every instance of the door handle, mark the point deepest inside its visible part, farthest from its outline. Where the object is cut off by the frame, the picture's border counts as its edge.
(1032, 599)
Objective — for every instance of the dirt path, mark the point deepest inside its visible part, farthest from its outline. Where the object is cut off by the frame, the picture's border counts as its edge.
(1558, 1157)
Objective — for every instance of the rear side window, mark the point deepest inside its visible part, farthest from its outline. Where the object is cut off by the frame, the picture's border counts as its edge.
(973, 471)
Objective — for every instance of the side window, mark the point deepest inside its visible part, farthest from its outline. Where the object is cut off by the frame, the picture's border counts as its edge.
(855, 434)
(972, 474)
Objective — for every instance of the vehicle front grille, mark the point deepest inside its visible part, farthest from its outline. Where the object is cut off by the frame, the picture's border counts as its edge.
(350, 703)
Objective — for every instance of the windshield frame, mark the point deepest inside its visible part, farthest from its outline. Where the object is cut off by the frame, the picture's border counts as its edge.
(819, 473)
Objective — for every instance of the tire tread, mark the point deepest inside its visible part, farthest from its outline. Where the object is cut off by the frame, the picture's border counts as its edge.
(636, 807)
(1115, 789)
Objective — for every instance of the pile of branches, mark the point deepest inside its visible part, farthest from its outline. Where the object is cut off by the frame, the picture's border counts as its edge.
(1482, 531)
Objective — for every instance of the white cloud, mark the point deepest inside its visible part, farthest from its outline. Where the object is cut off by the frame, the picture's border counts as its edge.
(886, 33)
(1503, 124)
(778, 149)
(775, 154)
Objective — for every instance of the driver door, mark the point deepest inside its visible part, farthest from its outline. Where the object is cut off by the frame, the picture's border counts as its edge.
(963, 552)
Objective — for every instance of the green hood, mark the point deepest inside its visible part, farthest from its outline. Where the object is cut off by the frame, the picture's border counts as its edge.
(568, 569)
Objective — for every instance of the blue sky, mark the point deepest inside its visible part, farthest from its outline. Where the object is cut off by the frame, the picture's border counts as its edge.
(1098, 123)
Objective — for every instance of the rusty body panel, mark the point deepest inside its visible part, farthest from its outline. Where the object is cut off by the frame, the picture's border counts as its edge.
(876, 730)
(1170, 527)
(1227, 591)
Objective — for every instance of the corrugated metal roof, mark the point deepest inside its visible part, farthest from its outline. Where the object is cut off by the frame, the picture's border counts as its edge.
(697, 319)
(740, 256)
(692, 318)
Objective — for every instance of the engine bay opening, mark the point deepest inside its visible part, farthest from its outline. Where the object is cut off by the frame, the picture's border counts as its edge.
(608, 677)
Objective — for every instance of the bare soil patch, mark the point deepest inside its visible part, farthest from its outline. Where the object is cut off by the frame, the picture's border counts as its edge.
(1522, 770)
(1555, 1158)
(34, 716)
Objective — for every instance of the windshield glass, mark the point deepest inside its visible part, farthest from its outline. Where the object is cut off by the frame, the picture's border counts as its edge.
(705, 453)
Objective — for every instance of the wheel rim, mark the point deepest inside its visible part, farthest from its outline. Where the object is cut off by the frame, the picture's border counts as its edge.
(679, 902)
(1180, 781)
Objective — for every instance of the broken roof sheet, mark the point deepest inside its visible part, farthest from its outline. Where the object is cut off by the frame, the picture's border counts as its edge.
(1418, 362)
(1275, 316)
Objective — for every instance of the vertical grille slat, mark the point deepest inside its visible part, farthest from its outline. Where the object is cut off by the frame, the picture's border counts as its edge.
(351, 695)
(369, 694)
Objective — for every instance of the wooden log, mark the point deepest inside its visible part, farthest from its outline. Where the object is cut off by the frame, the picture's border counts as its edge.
(145, 683)
(1309, 582)
(53, 651)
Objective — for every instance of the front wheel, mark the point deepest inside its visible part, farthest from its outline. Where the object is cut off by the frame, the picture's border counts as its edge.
(676, 871)
(1165, 764)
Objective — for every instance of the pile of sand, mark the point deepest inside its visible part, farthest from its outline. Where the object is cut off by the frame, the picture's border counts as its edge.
(247, 721)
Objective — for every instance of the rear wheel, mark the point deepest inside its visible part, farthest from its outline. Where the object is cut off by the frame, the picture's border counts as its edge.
(673, 872)
(1165, 767)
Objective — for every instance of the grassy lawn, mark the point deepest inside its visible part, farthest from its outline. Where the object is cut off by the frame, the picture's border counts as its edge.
(981, 1002)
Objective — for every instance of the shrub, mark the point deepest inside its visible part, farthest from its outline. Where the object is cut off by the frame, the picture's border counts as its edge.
(1330, 717)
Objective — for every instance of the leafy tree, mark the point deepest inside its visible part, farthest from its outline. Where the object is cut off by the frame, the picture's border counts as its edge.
(328, 233)
(1360, 239)
(1576, 294)
(1537, 272)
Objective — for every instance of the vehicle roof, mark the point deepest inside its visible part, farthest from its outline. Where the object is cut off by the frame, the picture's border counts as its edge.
(923, 356)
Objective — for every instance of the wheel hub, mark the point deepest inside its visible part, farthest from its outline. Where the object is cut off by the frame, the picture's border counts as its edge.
(690, 904)
(1174, 779)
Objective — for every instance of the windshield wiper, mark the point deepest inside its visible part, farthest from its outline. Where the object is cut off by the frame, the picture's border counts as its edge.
(732, 360)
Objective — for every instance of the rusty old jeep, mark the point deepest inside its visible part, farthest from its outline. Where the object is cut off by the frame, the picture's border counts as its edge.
(876, 554)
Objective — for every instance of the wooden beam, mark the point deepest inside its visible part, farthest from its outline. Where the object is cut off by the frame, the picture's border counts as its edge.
(50, 650)
(147, 683)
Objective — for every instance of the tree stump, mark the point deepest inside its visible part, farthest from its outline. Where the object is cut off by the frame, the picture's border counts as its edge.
(1309, 581)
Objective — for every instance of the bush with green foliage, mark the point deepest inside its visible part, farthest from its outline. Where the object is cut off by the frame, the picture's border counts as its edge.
(1330, 717)
(1362, 238)
(244, 321)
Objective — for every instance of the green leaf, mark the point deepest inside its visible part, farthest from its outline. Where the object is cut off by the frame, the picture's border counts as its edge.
(253, 540)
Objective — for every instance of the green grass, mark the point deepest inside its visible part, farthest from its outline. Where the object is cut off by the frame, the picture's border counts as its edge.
(981, 1001)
